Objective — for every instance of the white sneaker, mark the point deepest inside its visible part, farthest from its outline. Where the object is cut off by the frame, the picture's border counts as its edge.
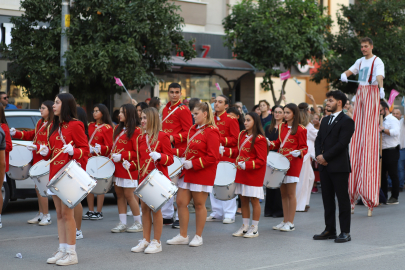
(288, 227)
(154, 247)
(136, 227)
(244, 229)
(69, 258)
(279, 226)
(252, 232)
(129, 213)
(35, 219)
(59, 254)
(121, 227)
(46, 220)
(1, 225)
(178, 240)
(228, 221)
(211, 218)
(197, 241)
(143, 244)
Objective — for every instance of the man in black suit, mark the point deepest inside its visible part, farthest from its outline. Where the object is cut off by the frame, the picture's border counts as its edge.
(332, 154)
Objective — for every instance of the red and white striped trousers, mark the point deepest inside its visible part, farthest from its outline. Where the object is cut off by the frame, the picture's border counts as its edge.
(364, 157)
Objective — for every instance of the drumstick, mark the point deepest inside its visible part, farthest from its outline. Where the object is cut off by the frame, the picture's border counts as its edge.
(19, 144)
(56, 156)
(179, 167)
(146, 168)
(222, 154)
(110, 159)
(39, 149)
(298, 150)
(95, 151)
(130, 176)
(243, 161)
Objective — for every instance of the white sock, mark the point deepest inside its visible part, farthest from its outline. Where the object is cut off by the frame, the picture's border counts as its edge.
(71, 248)
(255, 223)
(123, 218)
(177, 215)
(246, 221)
(138, 218)
(41, 215)
(62, 245)
(0, 218)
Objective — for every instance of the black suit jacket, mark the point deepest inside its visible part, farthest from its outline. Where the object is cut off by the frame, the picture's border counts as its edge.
(333, 143)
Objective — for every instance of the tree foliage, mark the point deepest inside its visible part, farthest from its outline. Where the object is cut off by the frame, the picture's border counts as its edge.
(269, 33)
(123, 38)
(383, 21)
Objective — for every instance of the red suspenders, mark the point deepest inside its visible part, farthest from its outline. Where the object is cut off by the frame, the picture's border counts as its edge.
(371, 73)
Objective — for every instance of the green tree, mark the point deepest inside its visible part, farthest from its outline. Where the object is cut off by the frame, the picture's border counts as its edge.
(383, 21)
(270, 33)
(123, 38)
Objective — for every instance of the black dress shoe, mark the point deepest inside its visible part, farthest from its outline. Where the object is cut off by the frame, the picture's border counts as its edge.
(268, 215)
(279, 215)
(325, 235)
(176, 225)
(343, 237)
(167, 221)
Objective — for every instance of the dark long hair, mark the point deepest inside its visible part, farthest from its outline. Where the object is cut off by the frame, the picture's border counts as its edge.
(257, 127)
(273, 120)
(154, 103)
(296, 119)
(2, 115)
(241, 119)
(67, 113)
(48, 104)
(131, 119)
(106, 119)
(82, 116)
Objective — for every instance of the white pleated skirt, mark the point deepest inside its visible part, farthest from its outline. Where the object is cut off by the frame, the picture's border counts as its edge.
(125, 183)
(249, 191)
(193, 187)
(290, 180)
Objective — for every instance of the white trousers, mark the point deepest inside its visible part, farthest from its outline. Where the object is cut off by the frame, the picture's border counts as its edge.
(168, 209)
(223, 209)
(304, 186)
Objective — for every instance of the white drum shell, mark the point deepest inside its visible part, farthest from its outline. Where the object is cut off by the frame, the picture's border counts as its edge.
(224, 185)
(103, 176)
(71, 184)
(176, 164)
(275, 173)
(156, 190)
(20, 162)
(40, 174)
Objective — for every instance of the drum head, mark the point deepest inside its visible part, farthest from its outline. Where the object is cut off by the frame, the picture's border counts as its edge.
(93, 165)
(176, 164)
(39, 168)
(226, 173)
(278, 161)
(20, 156)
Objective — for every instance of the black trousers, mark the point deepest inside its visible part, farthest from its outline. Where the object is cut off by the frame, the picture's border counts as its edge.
(390, 159)
(273, 206)
(336, 184)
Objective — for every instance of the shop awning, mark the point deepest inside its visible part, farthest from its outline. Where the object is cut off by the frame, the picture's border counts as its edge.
(211, 63)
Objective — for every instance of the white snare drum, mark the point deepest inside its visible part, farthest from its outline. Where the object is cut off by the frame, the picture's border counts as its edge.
(176, 164)
(277, 167)
(20, 162)
(103, 176)
(71, 184)
(224, 185)
(156, 190)
(40, 174)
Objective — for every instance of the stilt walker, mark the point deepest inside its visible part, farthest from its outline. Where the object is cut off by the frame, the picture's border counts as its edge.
(364, 179)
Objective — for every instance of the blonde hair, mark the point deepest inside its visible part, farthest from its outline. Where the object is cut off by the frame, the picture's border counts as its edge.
(304, 117)
(153, 125)
(206, 107)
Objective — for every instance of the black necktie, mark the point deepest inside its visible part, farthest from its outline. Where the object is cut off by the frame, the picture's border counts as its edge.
(331, 119)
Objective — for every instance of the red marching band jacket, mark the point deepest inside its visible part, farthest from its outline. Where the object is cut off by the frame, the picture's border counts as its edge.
(103, 136)
(178, 123)
(298, 141)
(165, 150)
(128, 147)
(71, 131)
(38, 136)
(228, 128)
(9, 144)
(204, 149)
(253, 175)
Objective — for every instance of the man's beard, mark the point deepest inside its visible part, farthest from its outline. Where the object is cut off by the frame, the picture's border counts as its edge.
(333, 109)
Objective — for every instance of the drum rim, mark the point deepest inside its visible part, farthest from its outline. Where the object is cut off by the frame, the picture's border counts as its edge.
(145, 180)
(275, 169)
(39, 175)
(227, 185)
(22, 166)
(178, 172)
(98, 178)
(54, 179)
(20, 146)
(280, 155)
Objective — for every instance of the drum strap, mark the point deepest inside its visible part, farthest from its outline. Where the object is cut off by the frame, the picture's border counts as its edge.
(116, 140)
(36, 134)
(285, 139)
(94, 133)
(147, 143)
(190, 140)
(171, 112)
(137, 155)
(243, 144)
(61, 136)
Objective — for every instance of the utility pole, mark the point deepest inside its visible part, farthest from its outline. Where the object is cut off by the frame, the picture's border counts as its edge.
(64, 43)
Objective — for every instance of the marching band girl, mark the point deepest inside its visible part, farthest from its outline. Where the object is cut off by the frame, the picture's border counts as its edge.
(291, 142)
(67, 135)
(250, 154)
(200, 162)
(124, 149)
(39, 138)
(100, 143)
(152, 144)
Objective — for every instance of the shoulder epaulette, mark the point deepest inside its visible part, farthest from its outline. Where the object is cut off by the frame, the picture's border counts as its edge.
(260, 136)
(230, 116)
(302, 126)
(107, 126)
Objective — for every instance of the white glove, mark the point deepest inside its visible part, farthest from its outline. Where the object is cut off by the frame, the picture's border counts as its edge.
(44, 150)
(182, 160)
(221, 150)
(68, 148)
(126, 164)
(343, 77)
(188, 164)
(32, 147)
(97, 148)
(91, 149)
(268, 142)
(242, 165)
(12, 131)
(382, 93)
(295, 153)
(155, 156)
(116, 157)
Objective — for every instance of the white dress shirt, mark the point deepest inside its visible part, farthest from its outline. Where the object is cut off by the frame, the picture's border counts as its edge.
(402, 133)
(335, 115)
(392, 124)
(311, 136)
